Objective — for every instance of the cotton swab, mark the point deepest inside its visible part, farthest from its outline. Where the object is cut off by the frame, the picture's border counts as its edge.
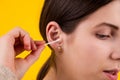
(52, 42)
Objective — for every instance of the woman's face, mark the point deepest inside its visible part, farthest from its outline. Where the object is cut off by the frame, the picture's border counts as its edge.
(92, 51)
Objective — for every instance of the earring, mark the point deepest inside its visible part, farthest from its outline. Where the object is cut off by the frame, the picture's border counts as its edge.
(60, 50)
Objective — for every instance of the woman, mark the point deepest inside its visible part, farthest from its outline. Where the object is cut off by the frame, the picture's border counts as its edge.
(88, 38)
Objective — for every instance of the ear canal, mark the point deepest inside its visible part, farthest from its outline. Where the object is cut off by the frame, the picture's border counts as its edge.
(56, 35)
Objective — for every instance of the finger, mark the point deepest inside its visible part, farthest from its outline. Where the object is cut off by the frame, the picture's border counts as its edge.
(22, 35)
(20, 46)
(23, 64)
(39, 43)
(27, 42)
(33, 45)
(19, 49)
(34, 55)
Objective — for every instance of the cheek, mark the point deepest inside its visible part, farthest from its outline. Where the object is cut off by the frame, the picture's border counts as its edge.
(84, 53)
(92, 53)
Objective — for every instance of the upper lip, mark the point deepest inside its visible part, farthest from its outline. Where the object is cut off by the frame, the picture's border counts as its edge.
(112, 74)
(112, 71)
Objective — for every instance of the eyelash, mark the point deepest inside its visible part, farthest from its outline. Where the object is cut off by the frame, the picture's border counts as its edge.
(103, 36)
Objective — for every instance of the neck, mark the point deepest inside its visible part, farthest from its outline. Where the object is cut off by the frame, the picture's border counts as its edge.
(51, 75)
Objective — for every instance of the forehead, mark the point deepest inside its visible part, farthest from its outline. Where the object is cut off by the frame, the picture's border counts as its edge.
(109, 13)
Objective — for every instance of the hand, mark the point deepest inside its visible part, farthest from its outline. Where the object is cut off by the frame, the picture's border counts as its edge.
(12, 44)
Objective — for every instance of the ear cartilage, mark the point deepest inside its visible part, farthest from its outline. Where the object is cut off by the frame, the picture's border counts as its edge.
(52, 42)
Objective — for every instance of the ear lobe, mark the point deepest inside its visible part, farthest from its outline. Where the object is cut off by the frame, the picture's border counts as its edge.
(53, 31)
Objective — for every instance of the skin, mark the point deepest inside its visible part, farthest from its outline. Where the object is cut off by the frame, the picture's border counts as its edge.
(85, 54)
(13, 43)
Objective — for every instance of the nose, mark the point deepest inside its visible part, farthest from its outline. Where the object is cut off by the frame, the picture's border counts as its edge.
(116, 52)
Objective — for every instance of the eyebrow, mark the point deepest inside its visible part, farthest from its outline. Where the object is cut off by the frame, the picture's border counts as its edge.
(109, 25)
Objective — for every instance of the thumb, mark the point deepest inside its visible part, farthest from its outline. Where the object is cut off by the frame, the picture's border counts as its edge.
(34, 55)
(22, 65)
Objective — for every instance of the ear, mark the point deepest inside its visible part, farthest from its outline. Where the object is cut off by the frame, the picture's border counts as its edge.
(53, 33)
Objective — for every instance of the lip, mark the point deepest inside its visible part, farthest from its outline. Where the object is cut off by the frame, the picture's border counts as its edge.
(111, 74)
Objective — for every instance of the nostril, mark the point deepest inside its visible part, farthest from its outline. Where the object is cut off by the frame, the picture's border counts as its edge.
(115, 56)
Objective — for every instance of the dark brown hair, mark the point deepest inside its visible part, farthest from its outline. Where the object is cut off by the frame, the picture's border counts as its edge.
(67, 13)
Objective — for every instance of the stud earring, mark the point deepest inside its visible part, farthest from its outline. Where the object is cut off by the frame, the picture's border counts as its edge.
(60, 50)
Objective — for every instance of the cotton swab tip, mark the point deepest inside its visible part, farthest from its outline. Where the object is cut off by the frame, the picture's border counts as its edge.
(52, 42)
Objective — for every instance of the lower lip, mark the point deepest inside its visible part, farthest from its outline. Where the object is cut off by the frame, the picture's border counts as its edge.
(111, 77)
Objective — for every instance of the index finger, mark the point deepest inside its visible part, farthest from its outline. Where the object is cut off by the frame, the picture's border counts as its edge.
(20, 34)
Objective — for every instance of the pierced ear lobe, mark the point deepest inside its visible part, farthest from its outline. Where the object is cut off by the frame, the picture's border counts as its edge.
(53, 33)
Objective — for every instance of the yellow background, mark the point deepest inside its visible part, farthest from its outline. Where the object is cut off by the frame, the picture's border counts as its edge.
(25, 14)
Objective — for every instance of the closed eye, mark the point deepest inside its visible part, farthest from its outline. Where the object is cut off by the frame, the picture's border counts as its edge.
(103, 36)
